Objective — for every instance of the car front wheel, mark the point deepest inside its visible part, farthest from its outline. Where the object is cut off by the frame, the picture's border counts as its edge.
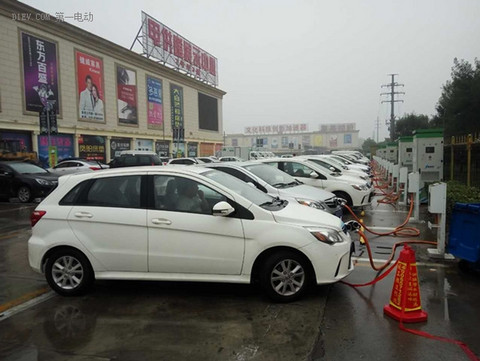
(285, 276)
(24, 194)
(68, 272)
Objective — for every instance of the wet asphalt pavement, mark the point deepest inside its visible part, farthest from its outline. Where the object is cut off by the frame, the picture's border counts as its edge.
(200, 321)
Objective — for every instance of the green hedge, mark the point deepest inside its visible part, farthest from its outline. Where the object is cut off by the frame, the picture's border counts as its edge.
(458, 192)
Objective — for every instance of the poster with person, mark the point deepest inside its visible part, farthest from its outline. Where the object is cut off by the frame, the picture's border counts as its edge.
(127, 96)
(90, 88)
(40, 73)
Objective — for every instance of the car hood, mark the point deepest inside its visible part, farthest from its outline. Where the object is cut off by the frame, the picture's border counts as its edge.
(298, 214)
(304, 191)
(350, 179)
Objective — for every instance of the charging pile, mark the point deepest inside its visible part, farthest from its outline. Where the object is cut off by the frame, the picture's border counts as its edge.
(405, 303)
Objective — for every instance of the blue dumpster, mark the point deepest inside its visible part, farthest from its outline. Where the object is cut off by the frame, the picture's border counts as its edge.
(464, 239)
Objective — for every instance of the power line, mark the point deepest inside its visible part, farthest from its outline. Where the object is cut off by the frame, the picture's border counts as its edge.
(392, 102)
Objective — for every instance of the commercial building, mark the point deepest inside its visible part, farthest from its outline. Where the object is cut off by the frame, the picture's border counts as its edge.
(105, 98)
(296, 138)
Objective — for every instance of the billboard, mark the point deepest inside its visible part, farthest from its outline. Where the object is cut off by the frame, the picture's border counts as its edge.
(166, 45)
(176, 101)
(90, 87)
(277, 129)
(207, 112)
(154, 103)
(63, 142)
(40, 72)
(126, 96)
(117, 145)
(91, 147)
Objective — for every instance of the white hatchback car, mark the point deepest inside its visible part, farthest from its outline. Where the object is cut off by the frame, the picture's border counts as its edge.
(183, 224)
(354, 190)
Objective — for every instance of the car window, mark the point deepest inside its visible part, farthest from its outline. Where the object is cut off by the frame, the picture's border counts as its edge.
(62, 165)
(129, 161)
(181, 194)
(271, 175)
(252, 194)
(325, 165)
(122, 191)
(297, 169)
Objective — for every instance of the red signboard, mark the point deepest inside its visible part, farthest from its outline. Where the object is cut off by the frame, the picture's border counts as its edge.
(164, 44)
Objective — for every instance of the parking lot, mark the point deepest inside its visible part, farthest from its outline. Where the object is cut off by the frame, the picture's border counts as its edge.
(125, 320)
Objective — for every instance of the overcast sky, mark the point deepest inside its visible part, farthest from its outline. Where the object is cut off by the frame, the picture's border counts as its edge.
(307, 61)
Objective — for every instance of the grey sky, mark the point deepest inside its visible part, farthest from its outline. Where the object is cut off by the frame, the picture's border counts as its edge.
(307, 61)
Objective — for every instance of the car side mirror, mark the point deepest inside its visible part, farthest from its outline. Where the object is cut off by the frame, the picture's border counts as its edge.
(332, 169)
(314, 175)
(222, 209)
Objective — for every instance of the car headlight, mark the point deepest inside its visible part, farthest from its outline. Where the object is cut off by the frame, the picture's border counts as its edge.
(311, 203)
(43, 182)
(360, 187)
(328, 236)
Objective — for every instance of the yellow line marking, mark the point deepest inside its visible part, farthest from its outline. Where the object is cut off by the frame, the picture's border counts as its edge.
(10, 235)
(22, 299)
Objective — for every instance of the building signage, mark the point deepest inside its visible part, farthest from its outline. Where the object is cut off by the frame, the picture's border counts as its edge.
(337, 127)
(277, 129)
(40, 73)
(164, 44)
(154, 103)
(90, 89)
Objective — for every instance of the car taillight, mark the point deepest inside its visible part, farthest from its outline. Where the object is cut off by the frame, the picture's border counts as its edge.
(36, 216)
(95, 168)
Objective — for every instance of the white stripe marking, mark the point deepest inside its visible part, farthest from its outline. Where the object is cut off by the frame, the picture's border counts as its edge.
(24, 306)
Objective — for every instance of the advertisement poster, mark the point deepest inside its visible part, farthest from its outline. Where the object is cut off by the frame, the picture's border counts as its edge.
(92, 147)
(127, 96)
(162, 148)
(40, 73)
(192, 149)
(154, 103)
(144, 144)
(117, 145)
(64, 144)
(347, 139)
(90, 89)
(176, 101)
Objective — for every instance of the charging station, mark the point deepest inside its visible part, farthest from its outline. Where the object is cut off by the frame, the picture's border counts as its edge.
(391, 152)
(381, 151)
(428, 154)
(437, 204)
(405, 152)
(402, 185)
(414, 187)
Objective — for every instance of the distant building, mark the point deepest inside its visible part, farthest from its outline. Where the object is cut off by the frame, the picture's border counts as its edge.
(297, 138)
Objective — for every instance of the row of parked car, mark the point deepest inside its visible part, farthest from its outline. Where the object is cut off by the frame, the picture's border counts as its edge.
(271, 222)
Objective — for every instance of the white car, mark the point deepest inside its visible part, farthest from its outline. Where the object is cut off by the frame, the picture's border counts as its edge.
(354, 190)
(350, 164)
(330, 165)
(182, 224)
(230, 159)
(76, 165)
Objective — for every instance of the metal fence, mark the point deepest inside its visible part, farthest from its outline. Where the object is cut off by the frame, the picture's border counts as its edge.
(462, 159)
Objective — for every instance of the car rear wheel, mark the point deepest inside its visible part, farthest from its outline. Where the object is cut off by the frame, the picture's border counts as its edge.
(285, 276)
(345, 196)
(24, 194)
(68, 272)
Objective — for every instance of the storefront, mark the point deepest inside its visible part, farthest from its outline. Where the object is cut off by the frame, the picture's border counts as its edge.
(92, 147)
(64, 144)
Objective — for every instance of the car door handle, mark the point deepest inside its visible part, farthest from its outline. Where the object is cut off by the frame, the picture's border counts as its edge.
(83, 215)
(161, 221)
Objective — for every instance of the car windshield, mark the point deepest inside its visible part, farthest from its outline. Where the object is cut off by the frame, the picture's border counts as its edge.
(272, 175)
(27, 168)
(325, 165)
(337, 163)
(245, 190)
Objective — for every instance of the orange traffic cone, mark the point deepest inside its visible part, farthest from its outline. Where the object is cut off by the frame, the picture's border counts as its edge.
(405, 304)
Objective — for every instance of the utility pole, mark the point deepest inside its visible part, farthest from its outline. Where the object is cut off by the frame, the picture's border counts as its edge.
(392, 102)
(377, 127)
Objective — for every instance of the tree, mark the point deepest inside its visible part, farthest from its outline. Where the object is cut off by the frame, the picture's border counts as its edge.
(367, 144)
(410, 122)
(458, 109)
